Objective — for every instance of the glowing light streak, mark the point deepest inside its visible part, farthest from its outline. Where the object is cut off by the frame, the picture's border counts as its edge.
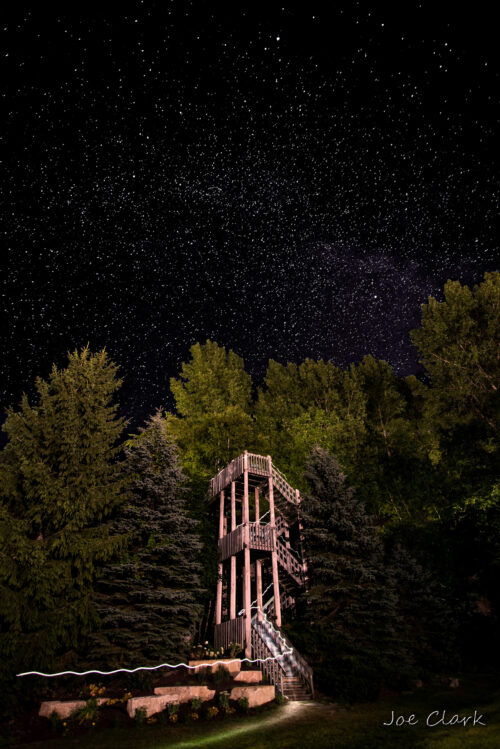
(224, 662)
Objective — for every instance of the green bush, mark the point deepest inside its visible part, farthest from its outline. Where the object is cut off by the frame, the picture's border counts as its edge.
(224, 700)
(243, 705)
(222, 674)
(196, 704)
(172, 709)
(140, 715)
(89, 713)
(203, 674)
(280, 699)
(234, 649)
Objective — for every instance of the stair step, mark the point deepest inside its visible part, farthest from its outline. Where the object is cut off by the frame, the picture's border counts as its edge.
(296, 691)
(298, 697)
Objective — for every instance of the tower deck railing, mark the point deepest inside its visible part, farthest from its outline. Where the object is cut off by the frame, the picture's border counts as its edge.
(257, 465)
(261, 537)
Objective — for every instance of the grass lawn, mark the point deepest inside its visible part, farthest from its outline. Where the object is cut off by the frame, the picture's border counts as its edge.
(311, 725)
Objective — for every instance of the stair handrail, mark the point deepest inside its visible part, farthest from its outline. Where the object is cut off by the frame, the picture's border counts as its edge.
(302, 665)
(295, 554)
(283, 486)
(290, 563)
(270, 664)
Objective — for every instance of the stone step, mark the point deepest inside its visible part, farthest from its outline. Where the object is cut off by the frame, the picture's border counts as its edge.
(63, 709)
(256, 694)
(186, 694)
(296, 692)
(249, 677)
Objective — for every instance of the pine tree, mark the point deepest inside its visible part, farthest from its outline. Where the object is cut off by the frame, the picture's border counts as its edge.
(149, 601)
(429, 613)
(352, 610)
(59, 483)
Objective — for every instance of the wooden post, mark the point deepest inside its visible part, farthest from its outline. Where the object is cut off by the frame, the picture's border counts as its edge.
(258, 562)
(258, 580)
(301, 538)
(274, 556)
(247, 594)
(232, 594)
(218, 602)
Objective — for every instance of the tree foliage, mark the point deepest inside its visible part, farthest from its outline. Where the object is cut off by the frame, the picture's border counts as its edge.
(352, 605)
(213, 422)
(60, 483)
(149, 600)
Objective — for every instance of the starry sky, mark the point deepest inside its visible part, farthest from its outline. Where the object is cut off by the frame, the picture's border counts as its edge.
(289, 179)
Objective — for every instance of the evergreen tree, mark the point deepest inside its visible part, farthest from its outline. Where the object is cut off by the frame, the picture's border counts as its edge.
(458, 344)
(149, 600)
(430, 615)
(353, 625)
(59, 483)
(213, 402)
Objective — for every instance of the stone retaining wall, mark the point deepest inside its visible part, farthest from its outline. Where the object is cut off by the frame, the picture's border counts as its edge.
(64, 709)
(186, 694)
(256, 695)
(249, 677)
(233, 666)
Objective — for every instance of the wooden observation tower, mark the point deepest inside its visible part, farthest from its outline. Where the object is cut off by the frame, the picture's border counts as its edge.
(261, 568)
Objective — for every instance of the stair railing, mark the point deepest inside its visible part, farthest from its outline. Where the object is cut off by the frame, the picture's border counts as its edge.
(270, 664)
(284, 487)
(300, 663)
(259, 647)
(290, 563)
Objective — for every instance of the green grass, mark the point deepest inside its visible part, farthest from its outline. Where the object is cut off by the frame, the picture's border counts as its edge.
(322, 726)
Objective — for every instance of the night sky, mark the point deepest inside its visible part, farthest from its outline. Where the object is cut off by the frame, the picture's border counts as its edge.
(286, 180)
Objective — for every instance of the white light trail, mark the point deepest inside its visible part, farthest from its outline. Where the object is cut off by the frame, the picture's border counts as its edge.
(170, 665)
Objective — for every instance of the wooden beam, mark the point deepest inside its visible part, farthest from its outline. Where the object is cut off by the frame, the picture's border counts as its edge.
(247, 593)
(218, 601)
(274, 557)
(232, 592)
(258, 563)
(258, 580)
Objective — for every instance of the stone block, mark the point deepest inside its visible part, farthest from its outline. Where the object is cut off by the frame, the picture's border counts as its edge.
(153, 704)
(233, 666)
(186, 694)
(249, 677)
(256, 695)
(64, 709)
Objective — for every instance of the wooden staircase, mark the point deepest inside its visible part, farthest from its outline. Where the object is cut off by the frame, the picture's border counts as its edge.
(294, 688)
(285, 667)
